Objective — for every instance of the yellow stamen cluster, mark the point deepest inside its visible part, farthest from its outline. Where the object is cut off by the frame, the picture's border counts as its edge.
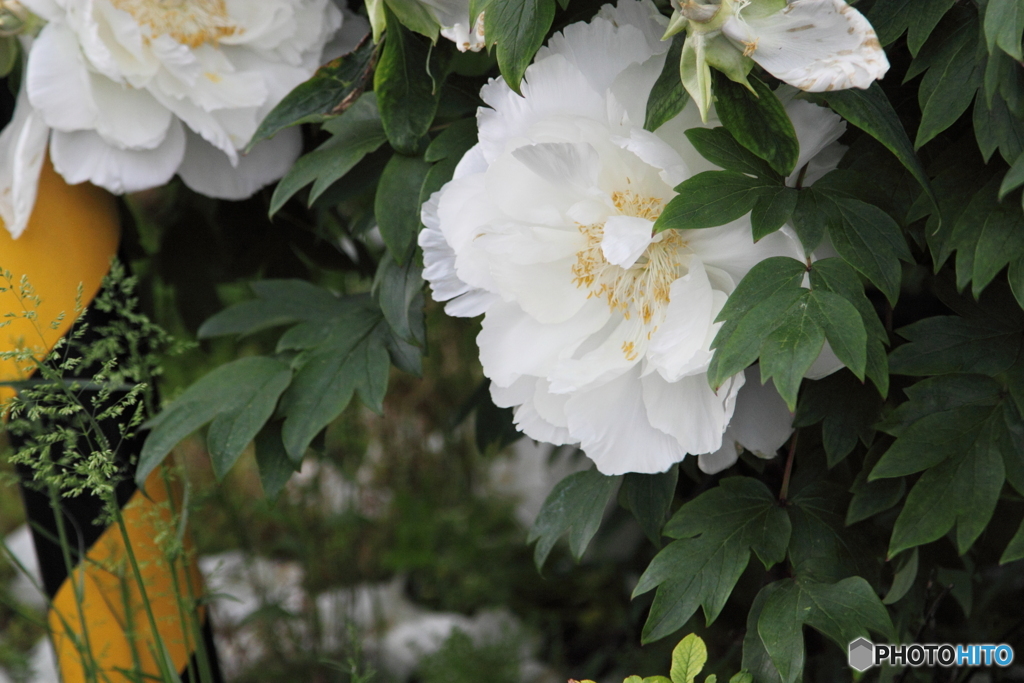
(643, 288)
(190, 22)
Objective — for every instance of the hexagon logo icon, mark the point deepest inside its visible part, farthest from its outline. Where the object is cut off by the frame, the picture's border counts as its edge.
(862, 654)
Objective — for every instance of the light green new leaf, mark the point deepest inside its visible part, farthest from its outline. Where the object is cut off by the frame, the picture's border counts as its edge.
(576, 505)
(710, 199)
(397, 204)
(759, 122)
(688, 659)
(232, 388)
(1004, 26)
(518, 30)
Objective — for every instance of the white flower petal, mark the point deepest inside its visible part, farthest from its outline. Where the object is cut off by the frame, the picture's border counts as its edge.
(690, 411)
(128, 118)
(722, 459)
(730, 248)
(814, 45)
(82, 156)
(22, 152)
(625, 239)
(610, 421)
(816, 128)
(513, 344)
(209, 172)
(562, 163)
(681, 343)
(825, 364)
(762, 423)
(58, 82)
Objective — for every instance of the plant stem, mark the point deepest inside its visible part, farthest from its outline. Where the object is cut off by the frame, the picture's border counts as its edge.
(784, 491)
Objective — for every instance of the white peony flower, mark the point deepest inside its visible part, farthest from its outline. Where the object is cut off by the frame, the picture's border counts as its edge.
(814, 45)
(595, 330)
(134, 91)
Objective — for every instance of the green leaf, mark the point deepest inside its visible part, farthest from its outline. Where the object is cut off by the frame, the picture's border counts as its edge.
(755, 657)
(718, 529)
(233, 389)
(843, 327)
(397, 204)
(1004, 25)
(407, 93)
(772, 210)
(872, 497)
(710, 199)
(415, 16)
(1013, 179)
(821, 546)
(924, 21)
(648, 497)
(737, 346)
(869, 240)
(944, 344)
(718, 146)
(996, 127)
(233, 429)
(842, 611)
(962, 489)
(330, 91)
(759, 122)
(890, 18)
(987, 237)
(518, 29)
(950, 84)
(346, 355)
(354, 135)
(742, 677)
(871, 111)
(810, 219)
(400, 293)
(277, 302)
(275, 465)
(576, 505)
(668, 97)
(688, 659)
(453, 141)
(903, 578)
(849, 409)
(1015, 548)
(789, 350)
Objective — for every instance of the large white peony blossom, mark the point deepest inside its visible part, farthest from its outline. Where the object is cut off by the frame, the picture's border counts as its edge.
(130, 92)
(597, 332)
